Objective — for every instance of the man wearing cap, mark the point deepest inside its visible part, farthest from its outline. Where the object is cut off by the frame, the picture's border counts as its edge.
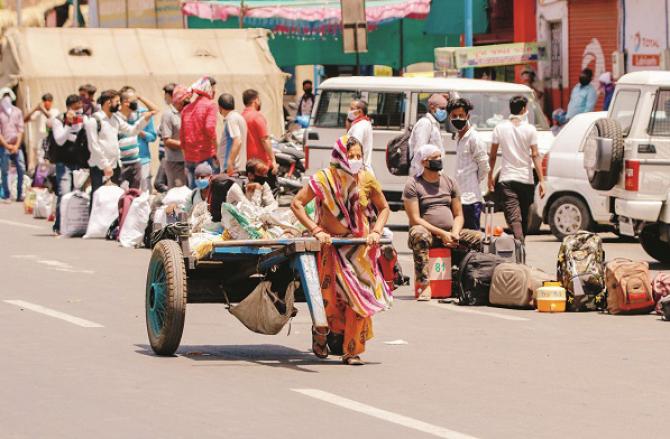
(426, 131)
(175, 167)
(11, 136)
(203, 173)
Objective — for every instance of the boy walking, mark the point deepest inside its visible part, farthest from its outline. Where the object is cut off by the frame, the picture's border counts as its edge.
(518, 140)
(472, 162)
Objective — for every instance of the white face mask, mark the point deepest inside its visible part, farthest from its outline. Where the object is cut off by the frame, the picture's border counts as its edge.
(351, 116)
(355, 166)
(6, 103)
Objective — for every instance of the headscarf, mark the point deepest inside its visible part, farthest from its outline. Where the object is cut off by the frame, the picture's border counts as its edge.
(339, 158)
(420, 155)
(202, 87)
(180, 94)
(7, 91)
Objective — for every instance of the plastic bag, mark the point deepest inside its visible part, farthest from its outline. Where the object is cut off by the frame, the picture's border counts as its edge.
(177, 195)
(238, 224)
(80, 178)
(44, 201)
(74, 213)
(29, 202)
(104, 211)
(135, 224)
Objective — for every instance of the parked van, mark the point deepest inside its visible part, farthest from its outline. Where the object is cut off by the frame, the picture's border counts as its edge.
(396, 103)
(628, 159)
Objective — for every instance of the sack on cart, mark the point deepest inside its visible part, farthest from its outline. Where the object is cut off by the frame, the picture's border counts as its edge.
(263, 311)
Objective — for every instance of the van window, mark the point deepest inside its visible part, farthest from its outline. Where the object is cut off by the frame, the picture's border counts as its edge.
(660, 118)
(333, 108)
(385, 109)
(623, 108)
(490, 109)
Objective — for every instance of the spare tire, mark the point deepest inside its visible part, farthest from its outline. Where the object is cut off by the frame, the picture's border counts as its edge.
(603, 154)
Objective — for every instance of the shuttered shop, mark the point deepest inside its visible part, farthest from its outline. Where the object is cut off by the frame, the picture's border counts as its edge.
(593, 37)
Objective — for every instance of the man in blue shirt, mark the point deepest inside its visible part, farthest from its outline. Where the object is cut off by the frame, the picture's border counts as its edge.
(144, 138)
(584, 96)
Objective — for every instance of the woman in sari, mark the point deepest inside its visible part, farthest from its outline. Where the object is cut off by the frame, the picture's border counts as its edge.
(349, 203)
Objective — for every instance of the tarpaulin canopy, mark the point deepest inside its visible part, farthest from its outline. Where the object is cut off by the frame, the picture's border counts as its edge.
(447, 17)
(303, 17)
(59, 60)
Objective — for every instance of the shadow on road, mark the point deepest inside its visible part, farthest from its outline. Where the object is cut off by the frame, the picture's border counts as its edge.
(262, 355)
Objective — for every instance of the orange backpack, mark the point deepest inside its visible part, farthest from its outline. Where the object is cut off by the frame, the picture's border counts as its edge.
(628, 287)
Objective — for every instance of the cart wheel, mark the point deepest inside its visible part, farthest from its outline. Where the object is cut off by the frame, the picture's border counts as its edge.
(166, 297)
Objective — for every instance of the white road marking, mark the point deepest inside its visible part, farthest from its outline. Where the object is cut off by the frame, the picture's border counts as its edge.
(384, 415)
(56, 314)
(14, 223)
(54, 265)
(466, 310)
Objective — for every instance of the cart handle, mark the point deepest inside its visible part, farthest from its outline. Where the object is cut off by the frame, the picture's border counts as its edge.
(271, 242)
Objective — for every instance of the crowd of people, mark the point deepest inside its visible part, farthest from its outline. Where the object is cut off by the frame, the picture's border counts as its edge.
(109, 133)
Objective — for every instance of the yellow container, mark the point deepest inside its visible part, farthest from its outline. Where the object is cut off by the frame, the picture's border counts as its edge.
(550, 297)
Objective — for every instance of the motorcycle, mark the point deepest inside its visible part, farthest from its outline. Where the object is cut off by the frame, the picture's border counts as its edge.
(291, 161)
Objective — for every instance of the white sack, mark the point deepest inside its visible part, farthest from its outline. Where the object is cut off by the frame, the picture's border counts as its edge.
(74, 214)
(177, 195)
(44, 201)
(132, 232)
(104, 211)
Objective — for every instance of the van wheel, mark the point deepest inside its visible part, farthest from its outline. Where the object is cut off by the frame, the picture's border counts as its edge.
(568, 215)
(604, 156)
(652, 244)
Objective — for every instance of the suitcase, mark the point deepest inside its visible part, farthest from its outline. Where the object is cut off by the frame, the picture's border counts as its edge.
(628, 287)
(506, 246)
(513, 285)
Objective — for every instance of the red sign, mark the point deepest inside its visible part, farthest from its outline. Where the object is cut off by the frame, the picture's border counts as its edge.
(647, 60)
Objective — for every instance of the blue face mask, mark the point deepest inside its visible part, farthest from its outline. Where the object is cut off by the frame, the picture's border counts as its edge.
(440, 115)
(202, 183)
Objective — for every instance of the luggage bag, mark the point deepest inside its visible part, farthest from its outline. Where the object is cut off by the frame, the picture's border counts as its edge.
(505, 246)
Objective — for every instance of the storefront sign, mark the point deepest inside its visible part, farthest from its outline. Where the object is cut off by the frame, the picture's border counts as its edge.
(499, 55)
(645, 34)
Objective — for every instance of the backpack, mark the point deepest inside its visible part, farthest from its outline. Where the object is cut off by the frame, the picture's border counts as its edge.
(513, 285)
(660, 288)
(664, 306)
(72, 153)
(580, 269)
(474, 277)
(219, 186)
(398, 159)
(628, 287)
(125, 202)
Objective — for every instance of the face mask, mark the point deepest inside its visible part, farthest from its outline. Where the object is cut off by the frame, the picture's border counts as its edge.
(351, 116)
(459, 124)
(440, 115)
(260, 180)
(114, 108)
(355, 166)
(202, 183)
(435, 165)
(584, 80)
(79, 112)
(133, 106)
(6, 103)
(308, 91)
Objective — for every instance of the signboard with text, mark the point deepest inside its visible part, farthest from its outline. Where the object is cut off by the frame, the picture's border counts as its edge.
(645, 35)
(450, 58)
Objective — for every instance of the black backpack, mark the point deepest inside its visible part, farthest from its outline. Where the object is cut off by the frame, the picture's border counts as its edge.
(397, 154)
(71, 153)
(219, 186)
(474, 277)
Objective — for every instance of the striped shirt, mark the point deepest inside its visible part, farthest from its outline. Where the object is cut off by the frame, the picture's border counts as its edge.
(129, 146)
(472, 166)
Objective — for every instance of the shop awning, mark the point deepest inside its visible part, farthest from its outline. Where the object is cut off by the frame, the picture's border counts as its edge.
(303, 17)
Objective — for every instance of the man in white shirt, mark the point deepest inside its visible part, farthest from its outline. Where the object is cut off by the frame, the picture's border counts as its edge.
(42, 114)
(472, 162)
(359, 126)
(102, 131)
(232, 151)
(515, 187)
(426, 130)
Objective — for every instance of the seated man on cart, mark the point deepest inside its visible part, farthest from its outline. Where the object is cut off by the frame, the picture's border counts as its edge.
(349, 203)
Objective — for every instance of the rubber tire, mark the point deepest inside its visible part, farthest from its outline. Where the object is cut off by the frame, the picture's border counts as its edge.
(169, 254)
(534, 221)
(586, 223)
(606, 180)
(651, 243)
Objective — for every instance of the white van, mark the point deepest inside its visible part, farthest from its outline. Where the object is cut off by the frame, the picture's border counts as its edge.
(395, 103)
(628, 159)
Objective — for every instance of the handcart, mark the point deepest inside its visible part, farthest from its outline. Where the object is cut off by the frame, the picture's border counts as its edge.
(228, 273)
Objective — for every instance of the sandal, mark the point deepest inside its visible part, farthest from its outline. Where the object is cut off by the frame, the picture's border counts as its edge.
(320, 342)
(354, 360)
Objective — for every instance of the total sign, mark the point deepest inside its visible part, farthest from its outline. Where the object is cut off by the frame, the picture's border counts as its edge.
(645, 40)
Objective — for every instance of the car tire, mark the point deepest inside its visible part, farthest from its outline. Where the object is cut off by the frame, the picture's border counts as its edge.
(609, 129)
(568, 215)
(652, 244)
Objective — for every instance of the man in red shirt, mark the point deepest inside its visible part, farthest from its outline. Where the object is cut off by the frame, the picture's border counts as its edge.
(198, 127)
(259, 145)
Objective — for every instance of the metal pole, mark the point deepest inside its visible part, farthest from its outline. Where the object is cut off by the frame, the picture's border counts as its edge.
(75, 6)
(468, 73)
(242, 14)
(402, 46)
(19, 18)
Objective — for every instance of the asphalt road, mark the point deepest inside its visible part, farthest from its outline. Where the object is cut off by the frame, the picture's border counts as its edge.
(433, 370)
